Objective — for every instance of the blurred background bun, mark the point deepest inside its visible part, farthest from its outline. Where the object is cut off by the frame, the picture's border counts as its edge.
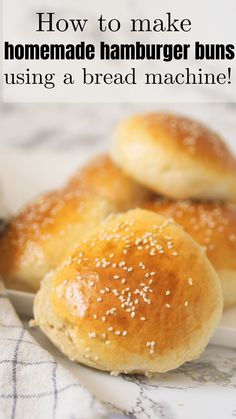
(138, 294)
(105, 179)
(175, 156)
(36, 239)
(212, 225)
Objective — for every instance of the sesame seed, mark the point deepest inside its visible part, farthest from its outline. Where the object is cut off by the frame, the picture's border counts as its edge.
(167, 292)
(190, 281)
(107, 342)
(124, 333)
(99, 299)
(167, 305)
(132, 314)
(143, 318)
(92, 335)
(117, 332)
(110, 329)
(186, 303)
(95, 316)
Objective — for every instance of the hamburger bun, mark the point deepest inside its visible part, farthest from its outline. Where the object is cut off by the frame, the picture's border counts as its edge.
(36, 239)
(176, 157)
(213, 226)
(137, 295)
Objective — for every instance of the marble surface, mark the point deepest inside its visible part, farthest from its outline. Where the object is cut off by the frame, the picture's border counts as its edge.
(205, 388)
(83, 127)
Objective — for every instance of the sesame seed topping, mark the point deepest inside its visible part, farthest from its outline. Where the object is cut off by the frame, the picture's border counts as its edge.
(92, 335)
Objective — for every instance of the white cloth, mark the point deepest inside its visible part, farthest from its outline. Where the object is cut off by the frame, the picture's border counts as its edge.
(32, 383)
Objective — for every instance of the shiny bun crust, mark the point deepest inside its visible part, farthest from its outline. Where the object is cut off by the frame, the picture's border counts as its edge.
(212, 225)
(37, 238)
(136, 295)
(105, 179)
(176, 157)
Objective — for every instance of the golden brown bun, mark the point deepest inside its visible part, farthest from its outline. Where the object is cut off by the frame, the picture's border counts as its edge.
(137, 295)
(103, 178)
(176, 157)
(37, 238)
(212, 225)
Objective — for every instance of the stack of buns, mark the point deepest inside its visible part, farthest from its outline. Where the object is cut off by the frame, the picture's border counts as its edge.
(134, 252)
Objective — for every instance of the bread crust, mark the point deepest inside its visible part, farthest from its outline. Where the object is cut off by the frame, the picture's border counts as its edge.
(36, 239)
(105, 179)
(175, 156)
(213, 226)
